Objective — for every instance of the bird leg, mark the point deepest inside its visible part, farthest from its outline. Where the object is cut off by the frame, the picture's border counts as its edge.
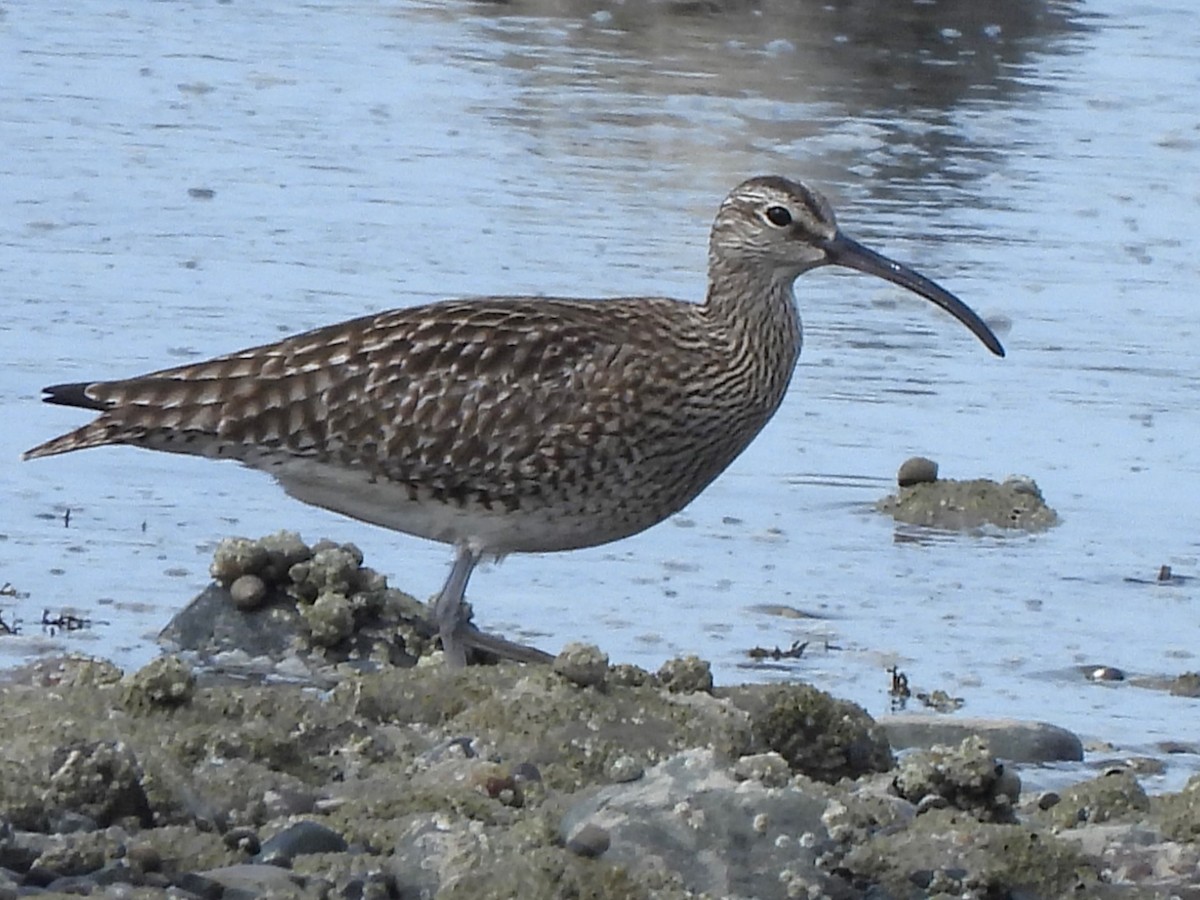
(448, 613)
(457, 633)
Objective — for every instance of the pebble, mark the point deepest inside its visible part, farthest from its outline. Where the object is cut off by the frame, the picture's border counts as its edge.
(917, 470)
(299, 840)
(624, 769)
(590, 841)
(1048, 799)
(248, 592)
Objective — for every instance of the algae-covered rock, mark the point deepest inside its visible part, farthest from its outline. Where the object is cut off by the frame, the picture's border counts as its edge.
(819, 735)
(276, 599)
(963, 505)
(330, 619)
(1179, 814)
(164, 682)
(723, 836)
(1113, 797)
(686, 675)
(583, 664)
(98, 779)
(966, 777)
(945, 852)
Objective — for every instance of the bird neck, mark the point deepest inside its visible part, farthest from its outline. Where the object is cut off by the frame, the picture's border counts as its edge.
(755, 310)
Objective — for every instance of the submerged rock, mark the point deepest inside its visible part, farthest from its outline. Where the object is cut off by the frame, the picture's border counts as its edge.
(963, 505)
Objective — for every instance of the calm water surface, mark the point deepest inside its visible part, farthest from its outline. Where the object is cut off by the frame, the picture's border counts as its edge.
(182, 180)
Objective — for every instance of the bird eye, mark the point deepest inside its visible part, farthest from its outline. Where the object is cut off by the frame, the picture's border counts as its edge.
(779, 216)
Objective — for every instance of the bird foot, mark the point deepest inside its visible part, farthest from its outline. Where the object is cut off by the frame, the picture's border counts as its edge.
(466, 636)
(503, 648)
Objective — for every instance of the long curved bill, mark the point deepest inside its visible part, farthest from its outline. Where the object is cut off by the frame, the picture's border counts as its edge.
(844, 251)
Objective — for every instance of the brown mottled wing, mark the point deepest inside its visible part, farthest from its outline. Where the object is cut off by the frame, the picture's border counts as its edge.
(477, 395)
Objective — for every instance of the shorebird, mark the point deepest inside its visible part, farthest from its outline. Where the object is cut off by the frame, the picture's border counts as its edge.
(513, 424)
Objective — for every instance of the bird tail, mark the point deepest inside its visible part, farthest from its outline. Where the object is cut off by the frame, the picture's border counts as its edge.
(94, 434)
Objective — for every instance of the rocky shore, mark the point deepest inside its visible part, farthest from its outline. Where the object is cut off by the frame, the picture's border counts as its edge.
(305, 741)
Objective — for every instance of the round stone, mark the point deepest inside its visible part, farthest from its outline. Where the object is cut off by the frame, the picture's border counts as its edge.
(917, 470)
(248, 592)
(590, 841)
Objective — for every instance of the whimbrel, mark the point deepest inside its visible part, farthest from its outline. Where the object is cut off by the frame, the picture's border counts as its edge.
(513, 424)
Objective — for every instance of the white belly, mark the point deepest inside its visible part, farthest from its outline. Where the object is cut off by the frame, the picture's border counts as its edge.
(532, 528)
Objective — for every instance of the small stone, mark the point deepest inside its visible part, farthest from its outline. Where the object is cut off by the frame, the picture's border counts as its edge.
(243, 839)
(917, 470)
(931, 801)
(144, 858)
(686, 675)
(583, 664)
(300, 839)
(1047, 799)
(526, 773)
(590, 841)
(248, 592)
(624, 769)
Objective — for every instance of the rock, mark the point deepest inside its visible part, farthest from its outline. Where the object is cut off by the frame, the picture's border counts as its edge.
(281, 603)
(248, 592)
(1186, 685)
(1102, 673)
(589, 841)
(1179, 814)
(582, 664)
(723, 837)
(967, 777)
(300, 839)
(946, 854)
(1009, 739)
(686, 675)
(917, 470)
(769, 768)
(253, 880)
(624, 769)
(816, 734)
(329, 618)
(161, 683)
(235, 557)
(1048, 799)
(101, 779)
(966, 505)
(1114, 797)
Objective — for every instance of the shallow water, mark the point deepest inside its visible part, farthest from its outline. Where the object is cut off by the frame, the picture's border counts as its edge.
(185, 180)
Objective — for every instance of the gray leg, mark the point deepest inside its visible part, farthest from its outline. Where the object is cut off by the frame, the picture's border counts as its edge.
(458, 634)
(448, 607)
